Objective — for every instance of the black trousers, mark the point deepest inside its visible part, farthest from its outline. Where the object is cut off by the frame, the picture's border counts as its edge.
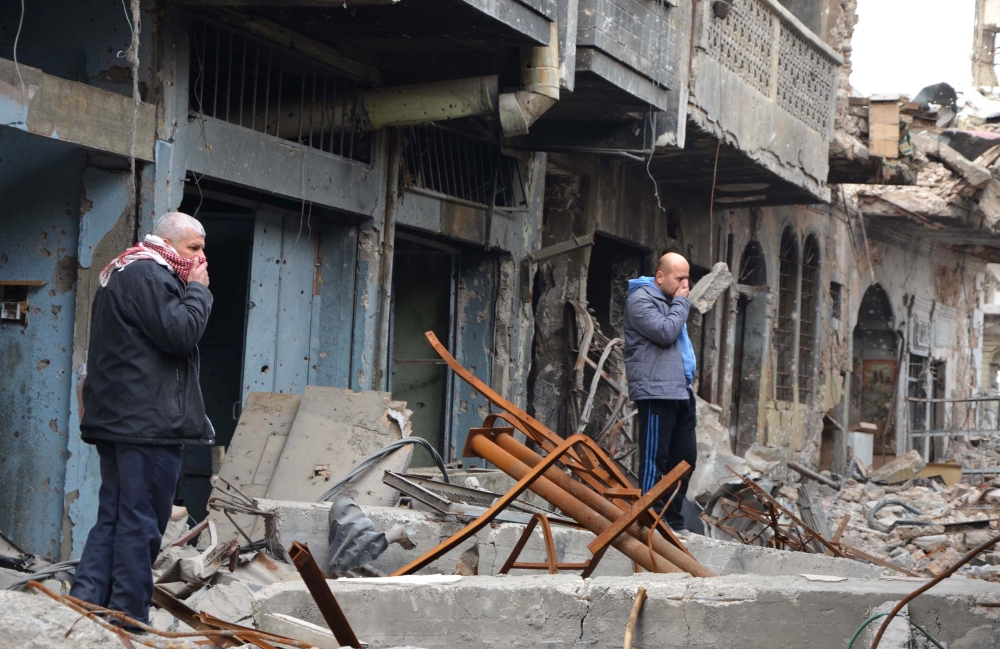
(666, 437)
(135, 502)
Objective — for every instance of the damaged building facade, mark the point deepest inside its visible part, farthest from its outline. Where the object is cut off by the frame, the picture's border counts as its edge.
(369, 171)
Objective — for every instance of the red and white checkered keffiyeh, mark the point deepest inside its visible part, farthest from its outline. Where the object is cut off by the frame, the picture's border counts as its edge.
(155, 249)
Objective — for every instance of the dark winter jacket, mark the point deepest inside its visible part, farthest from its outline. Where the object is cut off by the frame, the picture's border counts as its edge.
(142, 366)
(654, 337)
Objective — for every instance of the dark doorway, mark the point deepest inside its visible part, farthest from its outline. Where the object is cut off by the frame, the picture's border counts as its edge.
(875, 368)
(612, 264)
(228, 246)
(748, 352)
(423, 294)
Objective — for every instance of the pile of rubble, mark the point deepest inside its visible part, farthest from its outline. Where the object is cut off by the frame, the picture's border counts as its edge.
(952, 521)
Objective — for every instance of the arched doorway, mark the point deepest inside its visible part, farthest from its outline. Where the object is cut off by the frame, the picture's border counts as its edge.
(875, 368)
(748, 351)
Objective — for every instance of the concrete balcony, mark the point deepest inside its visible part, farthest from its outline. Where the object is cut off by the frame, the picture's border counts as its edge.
(764, 85)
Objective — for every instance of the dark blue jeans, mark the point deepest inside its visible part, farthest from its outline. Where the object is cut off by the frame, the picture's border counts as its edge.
(136, 498)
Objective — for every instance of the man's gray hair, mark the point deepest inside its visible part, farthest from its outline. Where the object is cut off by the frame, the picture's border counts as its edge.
(175, 226)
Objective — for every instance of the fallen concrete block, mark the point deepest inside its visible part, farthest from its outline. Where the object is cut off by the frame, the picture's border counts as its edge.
(974, 174)
(901, 469)
(291, 627)
(710, 287)
(516, 612)
(32, 621)
(253, 454)
(307, 523)
(232, 602)
(333, 432)
(715, 456)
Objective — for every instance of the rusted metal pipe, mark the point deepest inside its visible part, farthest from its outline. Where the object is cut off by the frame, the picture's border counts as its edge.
(315, 581)
(809, 473)
(586, 495)
(574, 508)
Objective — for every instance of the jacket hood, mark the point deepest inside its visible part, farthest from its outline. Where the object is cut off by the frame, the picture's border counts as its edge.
(634, 284)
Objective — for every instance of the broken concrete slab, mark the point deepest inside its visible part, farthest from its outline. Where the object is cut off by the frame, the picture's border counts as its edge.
(715, 456)
(252, 455)
(974, 174)
(681, 611)
(710, 287)
(32, 621)
(307, 522)
(232, 603)
(899, 470)
(290, 627)
(989, 204)
(897, 635)
(335, 430)
(970, 144)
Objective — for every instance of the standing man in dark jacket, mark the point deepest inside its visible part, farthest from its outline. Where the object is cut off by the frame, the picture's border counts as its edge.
(142, 403)
(660, 366)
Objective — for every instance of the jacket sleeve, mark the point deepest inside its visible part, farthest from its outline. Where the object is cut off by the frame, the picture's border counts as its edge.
(651, 324)
(173, 318)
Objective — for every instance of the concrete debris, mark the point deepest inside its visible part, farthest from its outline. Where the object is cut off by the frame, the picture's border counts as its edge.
(231, 603)
(468, 562)
(290, 627)
(900, 470)
(339, 429)
(36, 622)
(715, 456)
(564, 611)
(897, 635)
(177, 527)
(711, 287)
(913, 547)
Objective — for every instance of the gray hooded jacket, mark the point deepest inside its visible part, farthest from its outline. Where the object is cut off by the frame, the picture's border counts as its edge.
(654, 362)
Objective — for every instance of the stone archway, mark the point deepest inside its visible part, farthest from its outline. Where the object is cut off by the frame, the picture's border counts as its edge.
(749, 348)
(875, 367)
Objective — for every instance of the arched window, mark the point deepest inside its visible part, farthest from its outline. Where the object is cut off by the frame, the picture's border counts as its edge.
(753, 269)
(784, 331)
(808, 318)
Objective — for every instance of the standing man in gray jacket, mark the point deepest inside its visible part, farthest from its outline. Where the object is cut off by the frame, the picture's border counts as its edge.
(660, 366)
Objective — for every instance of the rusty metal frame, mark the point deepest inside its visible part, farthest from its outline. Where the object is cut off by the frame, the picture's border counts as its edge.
(315, 581)
(795, 536)
(551, 563)
(487, 516)
(603, 501)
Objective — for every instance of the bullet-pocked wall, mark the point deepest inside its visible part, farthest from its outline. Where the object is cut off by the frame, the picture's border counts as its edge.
(40, 185)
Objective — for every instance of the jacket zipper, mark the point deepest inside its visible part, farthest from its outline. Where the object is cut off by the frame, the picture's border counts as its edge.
(178, 370)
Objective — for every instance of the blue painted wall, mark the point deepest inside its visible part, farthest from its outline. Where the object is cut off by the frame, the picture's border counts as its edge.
(39, 214)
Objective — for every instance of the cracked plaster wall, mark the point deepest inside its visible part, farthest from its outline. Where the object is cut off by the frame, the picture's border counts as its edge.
(589, 194)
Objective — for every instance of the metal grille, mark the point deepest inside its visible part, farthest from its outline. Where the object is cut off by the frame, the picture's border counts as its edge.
(462, 167)
(246, 81)
(784, 330)
(806, 80)
(753, 268)
(808, 318)
(972, 420)
(744, 43)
